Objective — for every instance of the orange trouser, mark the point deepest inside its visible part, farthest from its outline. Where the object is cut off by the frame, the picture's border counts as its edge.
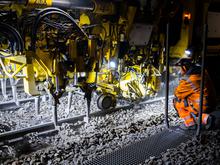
(185, 109)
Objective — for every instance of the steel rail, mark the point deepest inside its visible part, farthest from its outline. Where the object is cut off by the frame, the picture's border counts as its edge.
(49, 126)
(6, 136)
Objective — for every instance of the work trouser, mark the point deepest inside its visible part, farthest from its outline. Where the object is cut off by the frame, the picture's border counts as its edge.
(186, 111)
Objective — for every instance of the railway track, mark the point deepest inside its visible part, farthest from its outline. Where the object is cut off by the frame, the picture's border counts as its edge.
(12, 136)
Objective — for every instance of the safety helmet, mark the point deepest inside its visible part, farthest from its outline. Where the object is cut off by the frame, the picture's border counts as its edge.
(186, 59)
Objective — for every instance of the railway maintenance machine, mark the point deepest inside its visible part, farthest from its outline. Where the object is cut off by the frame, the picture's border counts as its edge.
(115, 48)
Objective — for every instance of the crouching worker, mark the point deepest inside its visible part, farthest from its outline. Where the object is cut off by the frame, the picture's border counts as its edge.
(187, 95)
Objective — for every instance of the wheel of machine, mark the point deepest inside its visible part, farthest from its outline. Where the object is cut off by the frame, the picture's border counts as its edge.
(106, 102)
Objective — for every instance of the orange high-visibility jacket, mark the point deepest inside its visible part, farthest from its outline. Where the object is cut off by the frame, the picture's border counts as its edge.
(187, 95)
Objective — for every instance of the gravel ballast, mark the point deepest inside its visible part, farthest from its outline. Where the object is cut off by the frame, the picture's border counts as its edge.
(79, 142)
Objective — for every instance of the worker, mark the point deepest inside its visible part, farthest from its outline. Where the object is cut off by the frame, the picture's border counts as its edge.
(187, 95)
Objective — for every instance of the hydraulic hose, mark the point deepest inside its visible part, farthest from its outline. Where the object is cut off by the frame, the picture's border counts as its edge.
(44, 14)
(16, 35)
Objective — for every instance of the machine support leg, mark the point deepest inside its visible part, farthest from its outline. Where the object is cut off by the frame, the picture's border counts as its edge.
(202, 81)
(70, 96)
(54, 111)
(14, 90)
(167, 78)
(88, 110)
(44, 98)
(3, 87)
(37, 105)
(50, 98)
(88, 96)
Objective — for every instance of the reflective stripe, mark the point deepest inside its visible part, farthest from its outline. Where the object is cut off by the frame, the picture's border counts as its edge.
(185, 101)
(189, 124)
(187, 117)
(192, 85)
(184, 78)
(197, 101)
(204, 120)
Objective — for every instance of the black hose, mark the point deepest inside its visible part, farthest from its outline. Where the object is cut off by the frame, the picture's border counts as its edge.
(11, 30)
(48, 9)
(11, 39)
(45, 13)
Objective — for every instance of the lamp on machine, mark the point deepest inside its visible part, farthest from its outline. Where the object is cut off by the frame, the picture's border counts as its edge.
(113, 65)
(188, 52)
(187, 17)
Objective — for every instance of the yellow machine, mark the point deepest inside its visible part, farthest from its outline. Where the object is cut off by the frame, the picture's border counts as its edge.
(96, 45)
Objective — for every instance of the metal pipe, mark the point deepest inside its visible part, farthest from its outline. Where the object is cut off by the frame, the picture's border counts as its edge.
(74, 4)
(202, 80)
(167, 76)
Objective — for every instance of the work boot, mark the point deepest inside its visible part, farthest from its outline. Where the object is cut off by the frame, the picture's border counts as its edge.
(216, 119)
(184, 127)
(210, 123)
